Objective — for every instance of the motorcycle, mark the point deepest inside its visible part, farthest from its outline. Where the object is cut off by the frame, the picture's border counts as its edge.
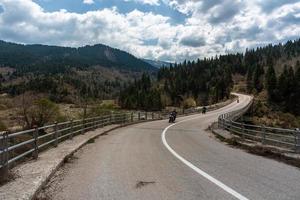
(203, 110)
(171, 118)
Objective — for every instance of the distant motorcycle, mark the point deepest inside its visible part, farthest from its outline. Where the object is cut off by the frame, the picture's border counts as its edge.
(171, 118)
(204, 110)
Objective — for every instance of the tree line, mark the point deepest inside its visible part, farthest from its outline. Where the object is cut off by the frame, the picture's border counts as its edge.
(210, 80)
(203, 81)
(284, 90)
(141, 94)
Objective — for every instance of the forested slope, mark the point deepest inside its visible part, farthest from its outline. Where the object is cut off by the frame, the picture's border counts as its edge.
(273, 70)
(65, 73)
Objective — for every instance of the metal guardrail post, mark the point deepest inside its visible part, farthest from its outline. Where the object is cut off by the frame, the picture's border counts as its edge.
(94, 123)
(55, 135)
(123, 118)
(243, 131)
(4, 157)
(83, 126)
(101, 122)
(230, 127)
(263, 139)
(221, 122)
(110, 118)
(72, 129)
(297, 141)
(35, 143)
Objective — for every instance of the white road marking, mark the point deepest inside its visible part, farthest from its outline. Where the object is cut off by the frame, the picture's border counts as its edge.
(196, 169)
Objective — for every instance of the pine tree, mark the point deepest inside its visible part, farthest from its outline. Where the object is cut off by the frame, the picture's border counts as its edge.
(297, 90)
(271, 83)
(257, 78)
(249, 81)
(291, 100)
(283, 85)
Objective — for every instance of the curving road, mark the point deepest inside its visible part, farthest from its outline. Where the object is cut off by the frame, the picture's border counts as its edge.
(156, 160)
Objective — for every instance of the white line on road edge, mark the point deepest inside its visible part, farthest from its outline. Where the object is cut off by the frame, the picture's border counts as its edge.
(196, 169)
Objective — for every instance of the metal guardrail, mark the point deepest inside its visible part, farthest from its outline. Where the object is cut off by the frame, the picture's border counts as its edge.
(284, 138)
(27, 144)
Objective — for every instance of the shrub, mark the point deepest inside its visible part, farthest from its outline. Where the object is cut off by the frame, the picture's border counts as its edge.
(189, 103)
(2, 126)
(40, 112)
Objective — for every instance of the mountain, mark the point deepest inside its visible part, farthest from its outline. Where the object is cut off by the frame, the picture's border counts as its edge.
(54, 59)
(66, 74)
(157, 63)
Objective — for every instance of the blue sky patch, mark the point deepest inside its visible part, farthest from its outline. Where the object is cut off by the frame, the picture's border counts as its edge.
(1, 9)
(123, 7)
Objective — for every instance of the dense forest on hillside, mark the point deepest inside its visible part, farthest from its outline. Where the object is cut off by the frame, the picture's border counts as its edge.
(273, 68)
(184, 84)
(97, 72)
(141, 95)
(54, 59)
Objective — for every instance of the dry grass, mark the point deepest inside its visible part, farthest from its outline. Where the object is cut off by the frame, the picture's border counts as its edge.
(268, 115)
(11, 117)
(239, 83)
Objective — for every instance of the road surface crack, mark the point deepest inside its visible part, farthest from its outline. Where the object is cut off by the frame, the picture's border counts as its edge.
(141, 184)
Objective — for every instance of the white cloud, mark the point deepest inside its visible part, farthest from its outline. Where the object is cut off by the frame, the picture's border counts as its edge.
(88, 1)
(211, 27)
(149, 2)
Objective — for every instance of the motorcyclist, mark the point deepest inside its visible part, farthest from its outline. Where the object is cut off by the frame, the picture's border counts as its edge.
(174, 114)
(204, 110)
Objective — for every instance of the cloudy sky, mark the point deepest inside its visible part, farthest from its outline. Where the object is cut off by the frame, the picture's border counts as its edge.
(169, 30)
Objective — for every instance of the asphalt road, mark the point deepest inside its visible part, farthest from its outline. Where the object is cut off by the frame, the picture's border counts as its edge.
(183, 161)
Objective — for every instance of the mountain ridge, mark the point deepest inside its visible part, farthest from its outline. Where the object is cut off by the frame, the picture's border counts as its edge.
(53, 59)
(157, 63)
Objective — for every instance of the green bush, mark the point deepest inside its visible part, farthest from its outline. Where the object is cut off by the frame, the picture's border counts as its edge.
(2, 126)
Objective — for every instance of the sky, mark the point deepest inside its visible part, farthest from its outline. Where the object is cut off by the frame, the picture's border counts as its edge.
(168, 30)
